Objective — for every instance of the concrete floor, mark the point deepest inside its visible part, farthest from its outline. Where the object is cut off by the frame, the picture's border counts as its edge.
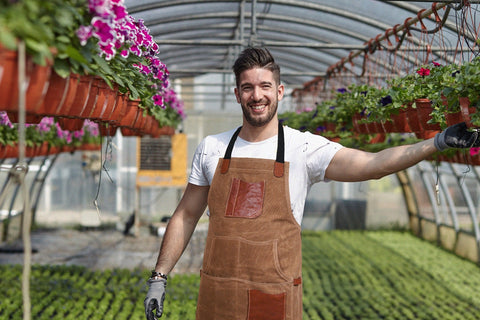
(100, 249)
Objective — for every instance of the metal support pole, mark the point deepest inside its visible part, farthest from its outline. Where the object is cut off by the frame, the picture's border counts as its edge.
(253, 29)
(42, 183)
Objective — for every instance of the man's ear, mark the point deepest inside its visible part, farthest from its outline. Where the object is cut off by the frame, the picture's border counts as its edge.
(236, 94)
(280, 91)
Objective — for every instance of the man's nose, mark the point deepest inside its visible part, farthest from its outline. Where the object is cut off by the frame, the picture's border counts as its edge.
(256, 94)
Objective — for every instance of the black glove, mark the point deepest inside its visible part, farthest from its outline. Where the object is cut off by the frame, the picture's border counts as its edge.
(457, 136)
(154, 299)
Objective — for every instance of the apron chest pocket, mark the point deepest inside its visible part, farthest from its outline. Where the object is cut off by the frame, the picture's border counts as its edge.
(245, 199)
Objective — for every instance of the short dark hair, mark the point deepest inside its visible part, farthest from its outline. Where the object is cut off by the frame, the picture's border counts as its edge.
(255, 57)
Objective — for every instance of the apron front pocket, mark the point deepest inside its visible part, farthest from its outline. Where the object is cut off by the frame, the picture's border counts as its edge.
(235, 299)
(245, 199)
(265, 306)
(244, 259)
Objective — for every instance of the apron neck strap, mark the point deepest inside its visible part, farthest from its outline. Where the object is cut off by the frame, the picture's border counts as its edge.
(278, 169)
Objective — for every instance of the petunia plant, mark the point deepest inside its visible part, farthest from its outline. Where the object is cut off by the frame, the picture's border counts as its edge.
(50, 132)
(93, 37)
(132, 56)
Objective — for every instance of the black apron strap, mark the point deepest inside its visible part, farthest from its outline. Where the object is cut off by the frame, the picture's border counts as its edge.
(278, 169)
(228, 152)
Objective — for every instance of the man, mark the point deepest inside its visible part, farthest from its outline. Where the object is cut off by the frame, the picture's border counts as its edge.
(255, 180)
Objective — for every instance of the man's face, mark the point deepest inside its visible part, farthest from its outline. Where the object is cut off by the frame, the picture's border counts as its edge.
(258, 94)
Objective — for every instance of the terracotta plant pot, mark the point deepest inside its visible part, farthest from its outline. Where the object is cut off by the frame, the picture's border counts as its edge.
(37, 80)
(60, 95)
(412, 119)
(358, 125)
(107, 130)
(453, 118)
(424, 109)
(388, 126)
(81, 99)
(128, 132)
(91, 101)
(128, 121)
(400, 121)
(467, 110)
(119, 109)
(71, 124)
(426, 134)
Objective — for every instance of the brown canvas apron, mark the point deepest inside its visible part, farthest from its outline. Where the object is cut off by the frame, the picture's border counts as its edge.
(252, 262)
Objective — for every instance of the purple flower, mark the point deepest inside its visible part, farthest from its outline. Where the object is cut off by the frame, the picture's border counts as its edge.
(4, 120)
(342, 90)
(84, 33)
(386, 100)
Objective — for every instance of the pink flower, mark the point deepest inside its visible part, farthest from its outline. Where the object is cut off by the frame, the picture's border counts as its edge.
(436, 64)
(424, 72)
(108, 50)
(158, 100)
(474, 151)
(119, 11)
(103, 31)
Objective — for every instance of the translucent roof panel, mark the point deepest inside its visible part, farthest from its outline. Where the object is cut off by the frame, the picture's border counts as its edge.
(306, 37)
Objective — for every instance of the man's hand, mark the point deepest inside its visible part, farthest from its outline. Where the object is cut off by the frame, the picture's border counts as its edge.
(457, 136)
(154, 299)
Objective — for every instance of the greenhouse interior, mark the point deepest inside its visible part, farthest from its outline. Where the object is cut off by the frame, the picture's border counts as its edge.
(104, 102)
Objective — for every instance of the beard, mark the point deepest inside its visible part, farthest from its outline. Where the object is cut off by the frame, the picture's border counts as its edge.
(259, 121)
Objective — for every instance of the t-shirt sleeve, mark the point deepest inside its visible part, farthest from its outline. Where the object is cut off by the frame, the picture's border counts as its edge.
(197, 173)
(320, 152)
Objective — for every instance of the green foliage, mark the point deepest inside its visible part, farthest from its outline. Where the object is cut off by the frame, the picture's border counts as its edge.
(442, 84)
(385, 275)
(346, 275)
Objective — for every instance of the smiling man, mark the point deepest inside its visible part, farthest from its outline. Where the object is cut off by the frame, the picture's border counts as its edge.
(255, 180)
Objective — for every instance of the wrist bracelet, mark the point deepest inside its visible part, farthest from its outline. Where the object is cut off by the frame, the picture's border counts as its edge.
(156, 275)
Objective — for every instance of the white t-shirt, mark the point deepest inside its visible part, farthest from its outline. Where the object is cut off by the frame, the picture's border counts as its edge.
(309, 156)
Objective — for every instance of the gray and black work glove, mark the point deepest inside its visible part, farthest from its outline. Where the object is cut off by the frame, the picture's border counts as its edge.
(457, 136)
(154, 299)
